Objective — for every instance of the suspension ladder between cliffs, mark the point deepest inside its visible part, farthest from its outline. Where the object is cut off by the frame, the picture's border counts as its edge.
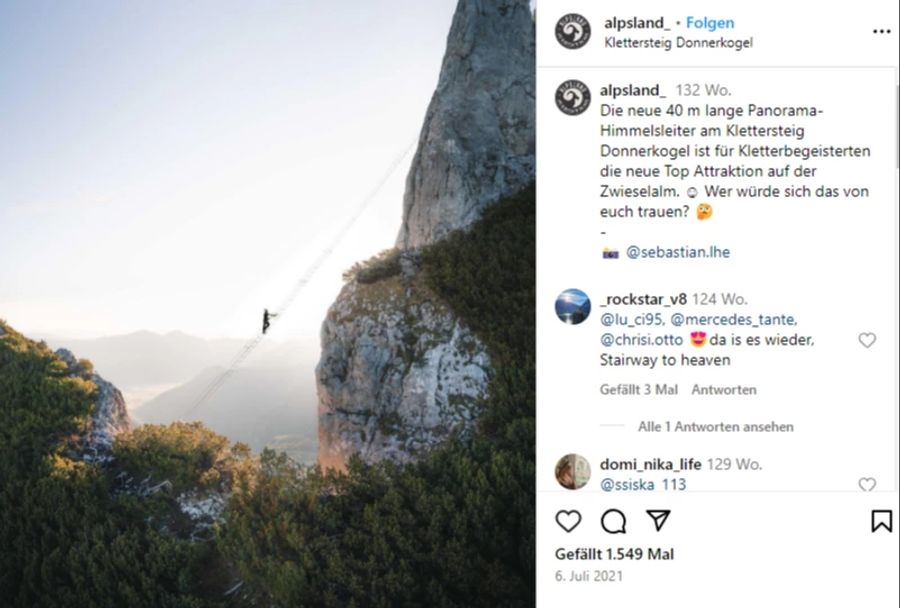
(248, 348)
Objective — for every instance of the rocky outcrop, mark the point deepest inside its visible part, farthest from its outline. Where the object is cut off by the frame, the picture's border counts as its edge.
(204, 509)
(398, 373)
(477, 142)
(110, 413)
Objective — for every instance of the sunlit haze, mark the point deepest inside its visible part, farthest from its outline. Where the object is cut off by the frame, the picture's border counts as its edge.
(178, 166)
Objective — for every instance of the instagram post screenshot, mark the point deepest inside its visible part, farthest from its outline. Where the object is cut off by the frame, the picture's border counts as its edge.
(449, 304)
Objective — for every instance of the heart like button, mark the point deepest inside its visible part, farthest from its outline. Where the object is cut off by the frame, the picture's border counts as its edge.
(867, 484)
(867, 339)
(568, 520)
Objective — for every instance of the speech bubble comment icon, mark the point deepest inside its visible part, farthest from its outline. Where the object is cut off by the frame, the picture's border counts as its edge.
(613, 521)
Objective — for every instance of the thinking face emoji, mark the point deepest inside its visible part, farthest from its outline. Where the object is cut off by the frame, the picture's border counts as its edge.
(698, 338)
(704, 211)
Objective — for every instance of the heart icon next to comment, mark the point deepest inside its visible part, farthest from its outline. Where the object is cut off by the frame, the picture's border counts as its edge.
(867, 484)
(568, 520)
(867, 339)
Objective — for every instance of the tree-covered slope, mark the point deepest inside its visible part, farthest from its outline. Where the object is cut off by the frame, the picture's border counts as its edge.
(71, 535)
(454, 529)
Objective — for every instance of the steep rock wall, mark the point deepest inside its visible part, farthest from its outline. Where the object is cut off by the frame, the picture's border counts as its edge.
(477, 142)
(398, 373)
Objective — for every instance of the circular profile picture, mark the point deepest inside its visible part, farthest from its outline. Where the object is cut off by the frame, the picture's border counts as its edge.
(573, 31)
(573, 471)
(573, 97)
(573, 306)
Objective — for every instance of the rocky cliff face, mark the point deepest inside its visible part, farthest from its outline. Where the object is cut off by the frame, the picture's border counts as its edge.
(110, 414)
(398, 372)
(477, 142)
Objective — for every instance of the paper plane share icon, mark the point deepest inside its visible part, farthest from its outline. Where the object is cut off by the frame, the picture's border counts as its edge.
(659, 517)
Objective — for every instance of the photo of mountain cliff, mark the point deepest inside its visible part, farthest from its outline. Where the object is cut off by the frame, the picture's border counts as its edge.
(385, 459)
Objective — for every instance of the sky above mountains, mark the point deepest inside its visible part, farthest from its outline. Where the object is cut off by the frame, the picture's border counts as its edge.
(176, 165)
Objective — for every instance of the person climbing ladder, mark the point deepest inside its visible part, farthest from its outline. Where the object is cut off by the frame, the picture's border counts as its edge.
(266, 316)
(248, 348)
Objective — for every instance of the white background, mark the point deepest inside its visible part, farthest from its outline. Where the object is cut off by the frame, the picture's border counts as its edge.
(798, 531)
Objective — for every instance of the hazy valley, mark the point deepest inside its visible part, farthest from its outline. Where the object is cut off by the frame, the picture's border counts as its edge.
(270, 402)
